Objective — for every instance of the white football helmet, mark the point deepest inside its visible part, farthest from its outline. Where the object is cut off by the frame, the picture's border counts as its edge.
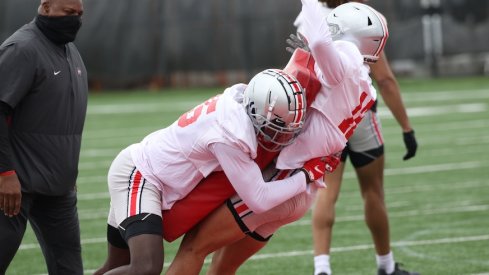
(276, 104)
(361, 25)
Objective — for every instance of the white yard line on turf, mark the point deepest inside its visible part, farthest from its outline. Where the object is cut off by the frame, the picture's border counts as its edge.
(451, 209)
(307, 222)
(436, 96)
(370, 246)
(162, 107)
(384, 113)
(439, 96)
(348, 175)
(359, 247)
(404, 214)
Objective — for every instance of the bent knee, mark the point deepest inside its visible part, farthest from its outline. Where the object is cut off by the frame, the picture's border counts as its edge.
(323, 218)
(147, 267)
(196, 247)
(323, 222)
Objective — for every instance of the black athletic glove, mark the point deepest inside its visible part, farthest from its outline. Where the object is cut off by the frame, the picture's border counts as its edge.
(411, 144)
(296, 41)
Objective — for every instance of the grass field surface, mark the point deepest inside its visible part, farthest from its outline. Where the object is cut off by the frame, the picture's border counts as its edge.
(438, 201)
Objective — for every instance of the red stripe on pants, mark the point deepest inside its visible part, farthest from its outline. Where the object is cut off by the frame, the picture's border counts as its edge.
(134, 194)
(240, 209)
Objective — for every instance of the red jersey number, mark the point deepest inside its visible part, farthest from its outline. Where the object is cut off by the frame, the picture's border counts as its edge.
(348, 125)
(191, 116)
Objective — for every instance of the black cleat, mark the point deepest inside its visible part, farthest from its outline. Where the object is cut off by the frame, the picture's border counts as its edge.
(323, 273)
(397, 271)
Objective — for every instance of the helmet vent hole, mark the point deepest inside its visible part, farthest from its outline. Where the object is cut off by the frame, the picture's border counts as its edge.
(369, 22)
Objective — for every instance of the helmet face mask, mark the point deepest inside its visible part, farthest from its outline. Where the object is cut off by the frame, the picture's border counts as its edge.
(273, 135)
(362, 25)
(275, 103)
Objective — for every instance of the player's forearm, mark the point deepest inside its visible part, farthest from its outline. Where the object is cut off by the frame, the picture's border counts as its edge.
(262, 196)
(247, 179)
(321, 43)
(389, 89)
(328, 61)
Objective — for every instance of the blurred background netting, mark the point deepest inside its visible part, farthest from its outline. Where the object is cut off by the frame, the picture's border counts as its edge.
(159, 43)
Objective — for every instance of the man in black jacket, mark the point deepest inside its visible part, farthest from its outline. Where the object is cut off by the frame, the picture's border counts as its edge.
(43, 101)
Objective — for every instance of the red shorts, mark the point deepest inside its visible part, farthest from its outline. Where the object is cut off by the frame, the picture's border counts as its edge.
(209, 194)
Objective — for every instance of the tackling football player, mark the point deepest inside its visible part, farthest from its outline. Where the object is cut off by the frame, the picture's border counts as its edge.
(345, 95)
(221, 134)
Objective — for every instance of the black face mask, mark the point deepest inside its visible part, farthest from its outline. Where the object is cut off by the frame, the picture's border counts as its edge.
(59, 29)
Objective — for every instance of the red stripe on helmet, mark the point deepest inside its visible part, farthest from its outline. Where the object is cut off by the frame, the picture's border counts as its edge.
(383, 23)
(297, 92)
(300, 107)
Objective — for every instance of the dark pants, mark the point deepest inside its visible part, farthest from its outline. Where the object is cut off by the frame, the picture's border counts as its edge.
(55, 222)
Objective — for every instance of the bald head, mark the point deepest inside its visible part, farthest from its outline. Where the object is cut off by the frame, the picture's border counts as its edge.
(60, 7)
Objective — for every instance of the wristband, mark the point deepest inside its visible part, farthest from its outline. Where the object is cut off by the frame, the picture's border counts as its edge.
(7, 173)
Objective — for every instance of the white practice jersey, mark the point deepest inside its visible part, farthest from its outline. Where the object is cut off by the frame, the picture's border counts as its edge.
(217, 135)
(299, 20)
(346, 92)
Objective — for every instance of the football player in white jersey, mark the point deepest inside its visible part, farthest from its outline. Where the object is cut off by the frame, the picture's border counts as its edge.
(345, 95)
(221, 134)
(365, 150)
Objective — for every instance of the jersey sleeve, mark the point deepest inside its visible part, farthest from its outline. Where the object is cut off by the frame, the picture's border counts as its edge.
(235, 125)
(17, 71)
(317, 139)
(246, 178)
(298, 22)
(331, 63)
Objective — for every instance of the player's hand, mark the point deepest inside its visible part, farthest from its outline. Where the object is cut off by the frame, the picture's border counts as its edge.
(297, 41)
(10, 195)
(315, 168)
(411, 144)
(332, 161)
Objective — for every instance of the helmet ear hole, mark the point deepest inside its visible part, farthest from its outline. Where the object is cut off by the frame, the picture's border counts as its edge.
(252, 109)
(276, 105)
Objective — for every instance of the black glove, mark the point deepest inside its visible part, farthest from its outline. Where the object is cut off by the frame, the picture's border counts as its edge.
(411, 144)
(296, 41)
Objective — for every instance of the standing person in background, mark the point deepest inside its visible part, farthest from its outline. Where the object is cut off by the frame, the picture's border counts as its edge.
(366, 150)
(43, 102)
